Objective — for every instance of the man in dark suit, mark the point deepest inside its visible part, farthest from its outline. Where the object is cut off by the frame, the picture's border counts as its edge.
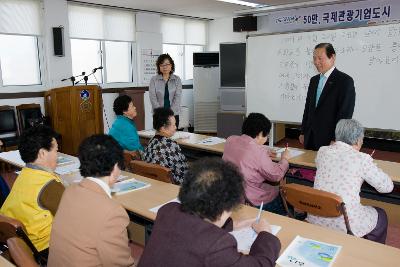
(330, 97)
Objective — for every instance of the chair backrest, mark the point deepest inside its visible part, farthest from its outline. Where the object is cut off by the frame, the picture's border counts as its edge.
(8, 123)
(12, 228)
(151, 170)
(314, 201)
(29, 115)
(20, 253)
(128, 157)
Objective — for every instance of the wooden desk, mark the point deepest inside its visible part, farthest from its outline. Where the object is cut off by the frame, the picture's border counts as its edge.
(355, 251)
(190, 147)
(5, 263)
(305, 160)
(308, 160)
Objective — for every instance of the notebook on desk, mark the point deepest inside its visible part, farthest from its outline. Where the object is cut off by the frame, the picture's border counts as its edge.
(293, 152)
(127, 186)
(245, 237)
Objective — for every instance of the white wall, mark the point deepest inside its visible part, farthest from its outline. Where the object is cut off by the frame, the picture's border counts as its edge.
(221, 31)
(56, 68)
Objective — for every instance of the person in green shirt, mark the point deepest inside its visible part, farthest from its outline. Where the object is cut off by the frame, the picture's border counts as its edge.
(124, 129)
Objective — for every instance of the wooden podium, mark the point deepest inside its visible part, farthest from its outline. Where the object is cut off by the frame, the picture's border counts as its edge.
(75, 112)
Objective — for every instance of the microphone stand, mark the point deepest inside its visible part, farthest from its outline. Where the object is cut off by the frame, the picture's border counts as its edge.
(73, 78)
(86, 77)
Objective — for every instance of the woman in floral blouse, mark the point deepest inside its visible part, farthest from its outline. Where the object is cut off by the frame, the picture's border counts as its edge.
(162, 149)
(342, 169)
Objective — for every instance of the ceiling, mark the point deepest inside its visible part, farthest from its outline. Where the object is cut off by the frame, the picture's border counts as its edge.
(196, 8)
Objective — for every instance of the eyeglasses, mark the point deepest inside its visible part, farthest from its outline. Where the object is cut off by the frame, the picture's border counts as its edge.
(165, 65)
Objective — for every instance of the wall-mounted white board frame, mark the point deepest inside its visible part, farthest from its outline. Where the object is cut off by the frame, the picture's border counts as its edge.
(279, 67)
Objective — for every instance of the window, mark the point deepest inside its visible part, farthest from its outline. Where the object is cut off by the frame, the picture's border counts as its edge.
(19, 60)
(19, 42)
(176, 52)
(181, 38)
(86, 55)
(106, 39)
(118, 61)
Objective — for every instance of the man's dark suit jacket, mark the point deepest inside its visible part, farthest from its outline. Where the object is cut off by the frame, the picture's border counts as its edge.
(335, 103)
(182, 239)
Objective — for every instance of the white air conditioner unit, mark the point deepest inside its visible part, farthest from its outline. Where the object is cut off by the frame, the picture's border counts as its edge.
(205, 98)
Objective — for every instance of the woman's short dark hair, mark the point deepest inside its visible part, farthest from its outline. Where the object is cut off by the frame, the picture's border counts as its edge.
(329, 50)
(161, 117)
(161, 59)
(98, 155)
(256, 123)
(33, 139)
(211, 186)
(121, 104)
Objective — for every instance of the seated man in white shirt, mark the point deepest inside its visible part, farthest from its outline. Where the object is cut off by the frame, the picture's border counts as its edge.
(342, 169)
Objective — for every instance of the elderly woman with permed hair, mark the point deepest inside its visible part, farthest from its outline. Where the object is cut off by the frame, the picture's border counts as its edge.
(165, 88)
(342, 169)
(124, 129)
(196, 232)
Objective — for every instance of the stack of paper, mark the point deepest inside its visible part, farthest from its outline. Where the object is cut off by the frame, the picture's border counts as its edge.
(210, 141)
(147, 133)
(308, 253)
(155, 209)
(65, 164)
(245, 237)
(177, 135)
(180, 135)
(69, 168)
(293, 152)
(61, 160)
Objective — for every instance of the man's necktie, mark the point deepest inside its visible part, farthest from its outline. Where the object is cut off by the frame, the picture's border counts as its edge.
(319, 88)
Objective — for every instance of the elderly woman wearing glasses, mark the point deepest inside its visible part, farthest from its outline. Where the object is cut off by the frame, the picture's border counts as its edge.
(342, 169)
(165, 88)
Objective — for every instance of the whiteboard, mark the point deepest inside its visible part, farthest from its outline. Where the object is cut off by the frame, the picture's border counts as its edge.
(279, 68)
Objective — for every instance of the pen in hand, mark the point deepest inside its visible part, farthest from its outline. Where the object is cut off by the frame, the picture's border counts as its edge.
(259, 212)
(259, 216)
(373, 151)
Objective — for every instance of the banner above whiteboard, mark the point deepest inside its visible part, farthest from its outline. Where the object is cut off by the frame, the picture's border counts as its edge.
(343, 15)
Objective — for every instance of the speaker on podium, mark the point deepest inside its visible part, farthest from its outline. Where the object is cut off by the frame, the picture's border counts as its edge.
(75, 112)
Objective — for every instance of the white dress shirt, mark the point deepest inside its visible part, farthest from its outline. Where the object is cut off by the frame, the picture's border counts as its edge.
(341, 170)
(327, 74)
(102, 184)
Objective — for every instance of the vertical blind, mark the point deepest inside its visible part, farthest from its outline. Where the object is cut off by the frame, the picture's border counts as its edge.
(101, 23)
(183, 31)
(20, 17)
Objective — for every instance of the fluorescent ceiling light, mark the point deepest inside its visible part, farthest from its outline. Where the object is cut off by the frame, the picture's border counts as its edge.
(243, 3)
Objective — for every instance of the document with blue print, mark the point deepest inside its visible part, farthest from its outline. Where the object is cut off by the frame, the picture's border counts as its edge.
(127, 186)
(306, 252)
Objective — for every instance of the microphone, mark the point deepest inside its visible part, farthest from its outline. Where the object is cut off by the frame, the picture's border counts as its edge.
(99, 68)
(70, 78)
